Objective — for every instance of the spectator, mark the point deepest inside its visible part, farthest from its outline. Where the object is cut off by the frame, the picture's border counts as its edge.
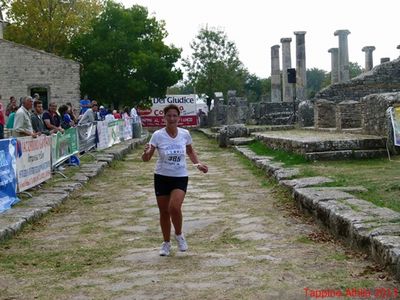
(22, 121)
(2, 120)
(11, 106)
(126, 114)
(51, 119)
(37, 119)
(134, 115)
(109, 116)
(90, 115)
(84, 104)
(71, 113)
(66, 121)
(10, 121)
(116, 114)
(103, 112)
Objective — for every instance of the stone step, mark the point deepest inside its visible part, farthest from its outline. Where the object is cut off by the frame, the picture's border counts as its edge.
(241, 141)
(311, 144)
(346, 154)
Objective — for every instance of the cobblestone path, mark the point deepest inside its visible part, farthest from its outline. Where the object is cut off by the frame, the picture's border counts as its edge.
(245, 242)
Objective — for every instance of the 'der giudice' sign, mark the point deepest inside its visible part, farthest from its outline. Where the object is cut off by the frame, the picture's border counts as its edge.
(154, 116)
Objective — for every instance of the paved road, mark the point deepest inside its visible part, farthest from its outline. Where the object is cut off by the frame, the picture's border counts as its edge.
(246, 241)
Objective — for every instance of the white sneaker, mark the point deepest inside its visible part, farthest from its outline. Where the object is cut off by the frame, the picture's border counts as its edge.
(165, 248)
(182, 245)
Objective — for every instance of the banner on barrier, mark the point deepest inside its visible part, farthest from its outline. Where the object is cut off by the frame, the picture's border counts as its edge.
(154, 116)
(33, 161)
(127, 129)
(8, 174)
(108, 133)
(395, 116)
(64, 145)
(86, 136)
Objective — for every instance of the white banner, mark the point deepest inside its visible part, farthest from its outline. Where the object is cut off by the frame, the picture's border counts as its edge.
(154, 117)
(33, 161)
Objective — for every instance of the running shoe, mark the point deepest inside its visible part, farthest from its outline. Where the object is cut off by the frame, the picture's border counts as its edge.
(165, 249)
(182, 245)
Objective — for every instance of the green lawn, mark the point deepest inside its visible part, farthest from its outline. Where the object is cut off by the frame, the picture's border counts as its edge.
(381, 176)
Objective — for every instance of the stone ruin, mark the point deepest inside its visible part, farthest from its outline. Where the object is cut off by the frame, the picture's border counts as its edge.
(356, 105)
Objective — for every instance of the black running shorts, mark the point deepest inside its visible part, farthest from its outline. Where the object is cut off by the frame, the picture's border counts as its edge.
(163, 185)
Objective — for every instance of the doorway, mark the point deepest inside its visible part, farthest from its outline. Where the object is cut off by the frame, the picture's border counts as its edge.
(43, 95)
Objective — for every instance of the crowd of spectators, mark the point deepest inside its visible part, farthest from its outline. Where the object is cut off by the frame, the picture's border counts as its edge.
(28, 118)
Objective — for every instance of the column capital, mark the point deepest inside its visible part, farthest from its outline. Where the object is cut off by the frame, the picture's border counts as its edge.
(342, 32)
(368, 48)
(333, 50)
(398, 47)
(286, 40)
(275, 46)
(299, 32)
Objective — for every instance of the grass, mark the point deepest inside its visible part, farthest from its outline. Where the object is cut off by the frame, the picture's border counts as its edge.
(379, 176)
(289, 159)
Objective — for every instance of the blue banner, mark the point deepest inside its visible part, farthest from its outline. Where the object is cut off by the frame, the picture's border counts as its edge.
(8, 173)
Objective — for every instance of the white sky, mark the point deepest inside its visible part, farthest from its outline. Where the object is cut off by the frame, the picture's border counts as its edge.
(256, 25)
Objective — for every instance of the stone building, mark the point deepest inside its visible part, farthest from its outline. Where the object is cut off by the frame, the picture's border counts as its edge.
(25, 71)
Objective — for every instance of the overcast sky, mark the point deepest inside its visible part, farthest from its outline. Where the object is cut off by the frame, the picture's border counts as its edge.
(256, 25)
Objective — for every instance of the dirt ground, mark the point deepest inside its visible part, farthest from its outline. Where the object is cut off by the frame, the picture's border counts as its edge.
(246, 241)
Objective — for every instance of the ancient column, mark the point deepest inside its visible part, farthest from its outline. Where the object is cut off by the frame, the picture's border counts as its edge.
(334, 65)
(369, 62)
(344, 73)
(286, 64)
(301, 72)
(385, 59)
(276, 95)
(1, 25)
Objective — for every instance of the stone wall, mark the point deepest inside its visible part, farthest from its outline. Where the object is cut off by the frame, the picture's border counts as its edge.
(324, 114)
(348, 115)
(373, 112)
(23, 68)
(381, 79)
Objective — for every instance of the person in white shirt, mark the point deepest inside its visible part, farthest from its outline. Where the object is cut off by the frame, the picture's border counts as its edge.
(171, 176)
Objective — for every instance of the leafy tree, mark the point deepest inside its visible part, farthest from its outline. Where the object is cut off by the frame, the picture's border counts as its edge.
(49, 24)
(124, 57)
(180, 89)
(355, 69)
(214, 65)
(316, 80)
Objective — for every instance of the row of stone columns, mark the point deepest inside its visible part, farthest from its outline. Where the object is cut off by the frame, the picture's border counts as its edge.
(289, 93)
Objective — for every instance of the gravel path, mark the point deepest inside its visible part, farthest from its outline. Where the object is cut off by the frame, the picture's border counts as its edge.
(246, 241)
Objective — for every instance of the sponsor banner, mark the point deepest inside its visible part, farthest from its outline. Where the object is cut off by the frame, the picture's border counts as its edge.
(8, 174)
(33, 161)
(190, 121)
(127, 129)
(108, 133)
(86, 136)
(64, 145)
(153, 117)
(395, 116)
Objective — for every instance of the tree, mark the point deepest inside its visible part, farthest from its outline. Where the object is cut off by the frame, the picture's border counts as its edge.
(124, 57)
(316, 80)
(214, 65)
(355, 69)
(49, 24)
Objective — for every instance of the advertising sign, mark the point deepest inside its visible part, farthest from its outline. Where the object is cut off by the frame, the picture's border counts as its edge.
(395, 115)
(64, 145)
(108, 133)
(33, 161)
(154, 116)
(8, 174)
